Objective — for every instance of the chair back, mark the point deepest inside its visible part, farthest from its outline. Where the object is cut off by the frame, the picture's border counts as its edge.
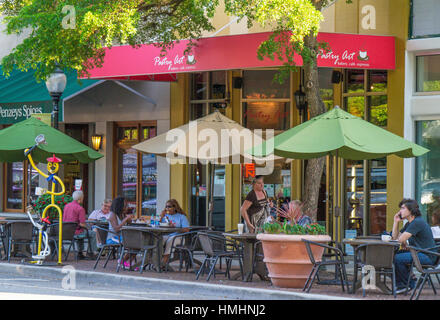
(134, 238)
(416, 260)
(309, 251)
(206, 243)
(102, 234)
(379, 255)
(21, 230)
(69, 229)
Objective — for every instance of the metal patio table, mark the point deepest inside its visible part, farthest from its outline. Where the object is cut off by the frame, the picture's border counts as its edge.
(249, 241)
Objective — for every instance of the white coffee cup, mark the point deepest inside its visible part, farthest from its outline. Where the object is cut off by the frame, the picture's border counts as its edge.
(385, 237)
(240, 228)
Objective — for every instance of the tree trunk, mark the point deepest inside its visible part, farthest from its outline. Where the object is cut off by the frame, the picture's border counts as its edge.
(316, 107)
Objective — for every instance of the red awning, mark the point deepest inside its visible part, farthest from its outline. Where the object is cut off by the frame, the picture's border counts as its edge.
(239, 52)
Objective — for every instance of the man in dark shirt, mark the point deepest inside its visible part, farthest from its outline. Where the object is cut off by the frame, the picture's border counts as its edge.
(416, 233)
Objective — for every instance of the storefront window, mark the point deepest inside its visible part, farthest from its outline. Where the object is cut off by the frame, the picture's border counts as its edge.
(326, 86)
(379, 110)
(354, 81)
(428, 170)
(74, 170)
(377, 81)
(259, 84)
(208, 94)
(266, 115)
(266, 105)
(15, 185)
(199, 86)
(365, 96)
(133, 166)
(424, 18)
(428, 73)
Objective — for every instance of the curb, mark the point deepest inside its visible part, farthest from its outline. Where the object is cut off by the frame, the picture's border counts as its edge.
(91, 278)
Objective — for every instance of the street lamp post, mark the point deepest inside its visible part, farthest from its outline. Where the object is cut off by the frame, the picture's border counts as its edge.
(56, 83)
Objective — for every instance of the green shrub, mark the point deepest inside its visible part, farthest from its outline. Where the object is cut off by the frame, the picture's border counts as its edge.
(286, 228)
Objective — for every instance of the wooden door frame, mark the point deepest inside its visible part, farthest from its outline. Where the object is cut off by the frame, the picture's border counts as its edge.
(126, 124)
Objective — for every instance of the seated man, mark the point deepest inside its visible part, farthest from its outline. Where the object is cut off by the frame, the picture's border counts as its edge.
(418, 234)
(74, 212)
(101, 214)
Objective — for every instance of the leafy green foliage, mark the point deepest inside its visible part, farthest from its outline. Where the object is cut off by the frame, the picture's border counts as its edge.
(103, 23)
(44, 200)
(286, 228)
(97, 24)
(292, 21)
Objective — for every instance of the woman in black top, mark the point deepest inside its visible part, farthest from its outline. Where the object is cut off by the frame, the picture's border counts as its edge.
(254, 208)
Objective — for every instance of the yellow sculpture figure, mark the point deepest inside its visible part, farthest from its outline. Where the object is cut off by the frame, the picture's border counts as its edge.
(52, 168)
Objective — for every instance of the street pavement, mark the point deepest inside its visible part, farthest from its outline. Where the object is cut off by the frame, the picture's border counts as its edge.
(67, 281)
(25, 286)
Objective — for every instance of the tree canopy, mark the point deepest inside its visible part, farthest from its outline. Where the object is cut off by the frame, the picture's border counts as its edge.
(74, 33)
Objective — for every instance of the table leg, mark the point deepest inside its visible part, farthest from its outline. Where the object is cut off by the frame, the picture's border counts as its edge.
(379, 285)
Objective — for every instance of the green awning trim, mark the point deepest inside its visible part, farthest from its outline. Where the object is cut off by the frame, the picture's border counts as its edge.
(21, 95)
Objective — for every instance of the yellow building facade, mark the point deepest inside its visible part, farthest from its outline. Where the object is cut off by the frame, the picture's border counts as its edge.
(365, 17)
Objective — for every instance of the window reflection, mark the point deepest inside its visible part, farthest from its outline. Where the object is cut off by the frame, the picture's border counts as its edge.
(259, 84)
(266, 115)
(14, 185)
(354, 81)
(428, 170)
(428, 73)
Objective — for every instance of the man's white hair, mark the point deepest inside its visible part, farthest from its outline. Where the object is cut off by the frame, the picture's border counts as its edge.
(77, 195)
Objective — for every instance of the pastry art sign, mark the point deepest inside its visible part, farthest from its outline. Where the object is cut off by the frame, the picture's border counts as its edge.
(176, 63)
(240, 52)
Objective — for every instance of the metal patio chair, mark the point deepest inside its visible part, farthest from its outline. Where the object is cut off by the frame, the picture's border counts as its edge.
(106, 248)
(425, 270)
(137, 241)
(184, 249)
(338, 262)
(381, 257)
(19, 232)
(68, 237)
(215, 247)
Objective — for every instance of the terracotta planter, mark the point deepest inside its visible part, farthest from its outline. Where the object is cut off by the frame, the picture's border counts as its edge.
(286, 257)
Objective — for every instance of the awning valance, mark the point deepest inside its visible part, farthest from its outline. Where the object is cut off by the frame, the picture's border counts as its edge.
(239, 52)
(21, 95)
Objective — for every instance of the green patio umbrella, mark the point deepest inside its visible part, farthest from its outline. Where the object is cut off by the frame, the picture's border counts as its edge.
(340, 134)
(20, 136)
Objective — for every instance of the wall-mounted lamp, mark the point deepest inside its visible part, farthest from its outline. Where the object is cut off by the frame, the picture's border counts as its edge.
(96, 141)
(300, 99)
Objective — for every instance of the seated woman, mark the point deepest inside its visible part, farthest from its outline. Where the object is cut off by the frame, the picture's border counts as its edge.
(117, 219)
(293, 212)
(173, 214)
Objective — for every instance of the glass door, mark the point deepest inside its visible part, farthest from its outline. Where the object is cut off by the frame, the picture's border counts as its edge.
(135, 172)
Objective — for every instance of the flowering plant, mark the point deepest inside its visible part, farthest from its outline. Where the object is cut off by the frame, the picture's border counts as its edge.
(296, 222)
(293, 212)
(44, 200)
(276, 227)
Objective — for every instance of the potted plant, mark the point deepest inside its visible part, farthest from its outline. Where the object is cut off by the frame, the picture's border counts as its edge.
(285, 254)
(44, 200)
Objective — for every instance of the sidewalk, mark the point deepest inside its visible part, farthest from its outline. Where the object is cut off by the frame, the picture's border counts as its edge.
(218, 286)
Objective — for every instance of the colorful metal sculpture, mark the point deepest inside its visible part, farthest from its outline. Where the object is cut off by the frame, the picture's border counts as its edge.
(52, 168)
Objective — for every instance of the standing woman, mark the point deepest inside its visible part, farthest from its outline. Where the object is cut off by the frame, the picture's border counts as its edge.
(254, 209)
